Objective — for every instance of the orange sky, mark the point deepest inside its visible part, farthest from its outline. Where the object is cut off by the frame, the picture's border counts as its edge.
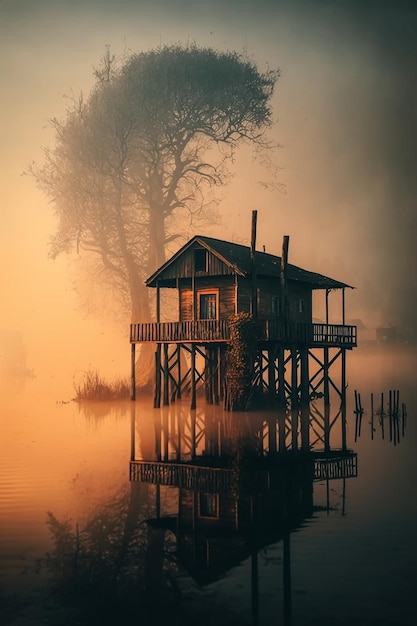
(347, 198)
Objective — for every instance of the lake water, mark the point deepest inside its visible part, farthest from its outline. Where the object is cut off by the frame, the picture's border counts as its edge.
(352, 564)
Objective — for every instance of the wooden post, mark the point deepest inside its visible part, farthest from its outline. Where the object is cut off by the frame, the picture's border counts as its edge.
(382, 416)
(216, 373)
(254, 299)
(158, 303)
(326, 400)
(305, 402)
(158, 500)
(281, 429)
(165, 429)
(281, 376)
(193, 418)
(294, 399)
(372, 415)
(166, 375)
(287, 578)
(133, 371)
(193, 389)
(132, 432)
(272, 435)
(179, 371)
(283, 279)
(271, 372)
(327, 309)
(343, 399)
(157, 394)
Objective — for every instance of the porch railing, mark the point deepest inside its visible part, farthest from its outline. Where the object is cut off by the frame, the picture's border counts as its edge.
(220, 479)
(300, 333)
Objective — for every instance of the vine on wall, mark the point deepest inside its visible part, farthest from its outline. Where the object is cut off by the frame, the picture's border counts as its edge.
(240, 358)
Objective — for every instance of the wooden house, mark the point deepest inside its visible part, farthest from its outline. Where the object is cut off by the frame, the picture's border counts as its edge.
(215, 280)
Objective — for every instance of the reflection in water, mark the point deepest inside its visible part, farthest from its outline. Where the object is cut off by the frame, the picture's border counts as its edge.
(355, 568)
(112, 567)
(205, 496)
(390, 417)
(98, 411)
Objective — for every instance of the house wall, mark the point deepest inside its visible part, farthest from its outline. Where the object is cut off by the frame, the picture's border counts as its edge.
(223, 285)
(226, 289)
(226, 511)
(184, 266)
(268, 289)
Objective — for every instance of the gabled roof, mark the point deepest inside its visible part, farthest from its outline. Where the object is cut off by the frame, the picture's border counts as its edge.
(238, 258)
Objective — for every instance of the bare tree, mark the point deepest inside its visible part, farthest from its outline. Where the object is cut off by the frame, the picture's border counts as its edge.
(153, 138)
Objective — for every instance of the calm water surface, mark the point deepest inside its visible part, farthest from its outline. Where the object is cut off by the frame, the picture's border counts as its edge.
(353, 564)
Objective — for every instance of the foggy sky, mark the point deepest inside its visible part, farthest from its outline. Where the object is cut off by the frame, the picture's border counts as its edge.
(345, 110)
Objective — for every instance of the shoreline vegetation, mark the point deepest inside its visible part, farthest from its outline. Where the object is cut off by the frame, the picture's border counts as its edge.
(92, 386)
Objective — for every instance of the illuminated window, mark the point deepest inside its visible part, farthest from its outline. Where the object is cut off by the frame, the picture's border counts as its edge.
(208, 305)
(208, 505)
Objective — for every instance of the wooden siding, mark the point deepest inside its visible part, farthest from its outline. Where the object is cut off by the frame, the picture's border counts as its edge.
(224, 286)
(269, 288)
(226, 510)
(206, 331)
(184, 266)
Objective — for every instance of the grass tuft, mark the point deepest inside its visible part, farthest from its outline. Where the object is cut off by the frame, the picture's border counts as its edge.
(91, 386)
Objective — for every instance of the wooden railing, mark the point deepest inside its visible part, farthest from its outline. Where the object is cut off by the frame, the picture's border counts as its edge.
(344, 466)
(220, 479)
(204, 331)
(183, 475)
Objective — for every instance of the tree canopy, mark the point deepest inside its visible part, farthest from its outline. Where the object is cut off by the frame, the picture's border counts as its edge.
(154, 135)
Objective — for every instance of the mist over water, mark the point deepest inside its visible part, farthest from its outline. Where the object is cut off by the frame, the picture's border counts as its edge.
(73, 460)
(345, 114)
(346, 121)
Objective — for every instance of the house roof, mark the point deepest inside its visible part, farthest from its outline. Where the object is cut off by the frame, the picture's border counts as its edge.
(238, 258)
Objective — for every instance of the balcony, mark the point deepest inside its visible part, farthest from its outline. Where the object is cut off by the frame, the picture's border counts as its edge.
(271, 331)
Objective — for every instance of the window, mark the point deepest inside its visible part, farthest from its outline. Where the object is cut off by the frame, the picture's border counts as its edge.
(275, 305)
(301, 306)
(208, 505)
(208, 306)
(200, 260)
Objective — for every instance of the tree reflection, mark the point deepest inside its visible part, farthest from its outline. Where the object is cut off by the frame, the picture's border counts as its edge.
(105, 569)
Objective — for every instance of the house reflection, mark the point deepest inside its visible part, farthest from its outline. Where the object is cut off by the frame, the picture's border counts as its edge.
(234, 497)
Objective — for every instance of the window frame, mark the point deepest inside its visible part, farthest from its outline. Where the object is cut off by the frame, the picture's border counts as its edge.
(207, 292)
(215, 497)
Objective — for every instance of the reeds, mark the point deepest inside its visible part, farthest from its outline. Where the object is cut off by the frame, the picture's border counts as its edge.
(92, 386)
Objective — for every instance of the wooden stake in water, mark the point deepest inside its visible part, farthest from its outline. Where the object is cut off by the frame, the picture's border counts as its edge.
(372, 415)
(382, 415)
(403, 418)
(390, 414)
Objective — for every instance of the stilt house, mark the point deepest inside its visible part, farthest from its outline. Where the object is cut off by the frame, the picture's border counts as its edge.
(216, 279)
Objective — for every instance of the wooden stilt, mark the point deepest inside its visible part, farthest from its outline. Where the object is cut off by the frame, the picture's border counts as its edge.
(132, 431)
(133, 371)
(271, 372)
(281, 376)
(326, 400)
(305, 401)
(166, 375)
(281, 429)
(157, 395)
(165, 430)
(179, 371)
(343, 398)
(287, 579)
(193, 385)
